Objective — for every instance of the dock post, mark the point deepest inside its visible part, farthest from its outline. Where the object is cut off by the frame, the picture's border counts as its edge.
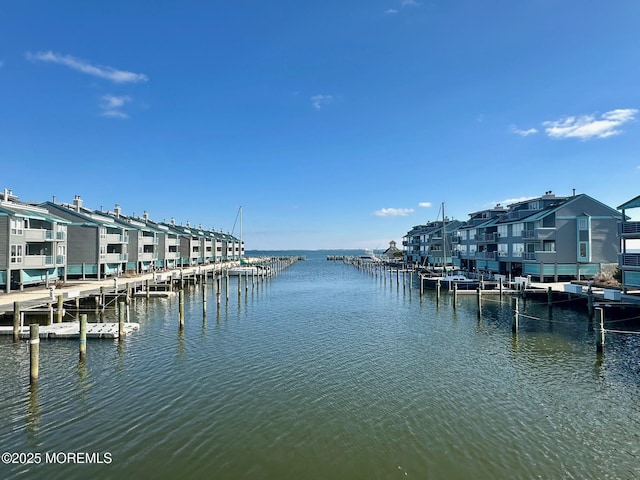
(60, 309)
(421, 284)
(590, 302)
(246, 281)
(16, 321)
(218, 293)
(83, 337)
(227, 284)
(479, 295)
(600, 339)
(204, 299)
(34, 352)
(239, 283)
(549, 296)
(455, 295)
(102, 297)
(438, 287)
(146, 288)
(121, 314)
(514, 324)
(181, 308)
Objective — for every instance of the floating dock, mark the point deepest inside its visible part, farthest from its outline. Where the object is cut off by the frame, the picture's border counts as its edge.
(72, 330)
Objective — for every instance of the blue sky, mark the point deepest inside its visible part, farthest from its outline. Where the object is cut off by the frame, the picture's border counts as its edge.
(335, 124)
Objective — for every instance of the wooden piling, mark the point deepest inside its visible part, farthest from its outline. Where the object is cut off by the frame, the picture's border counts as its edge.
(181, 308)
(438, 288)
(549, 296)
(516, 313)
(83, 336)
(121, 314)
(479, 298)
(16, 321)
(218, 293)
(34, 352)
(204, 299)
(599, 311)
(455, 295)
(60, 311)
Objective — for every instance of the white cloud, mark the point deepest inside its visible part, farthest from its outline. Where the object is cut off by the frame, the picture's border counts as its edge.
(1, 64)
(425, 204)
(588, 126)
(391, 11)
(393, 212)
(523, 133)
(111, 106)
(409, 3)
(108, 73)
(320, 101)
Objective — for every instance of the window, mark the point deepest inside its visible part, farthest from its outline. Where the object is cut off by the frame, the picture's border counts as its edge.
(584, 249)
(518, 249)
(503, 230)
(464, 234)
(583, 224)
(503, 250)
(16, 253)
(17, 226)
(516, 229)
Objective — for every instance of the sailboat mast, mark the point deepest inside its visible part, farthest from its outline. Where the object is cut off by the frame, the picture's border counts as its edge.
(444, 240)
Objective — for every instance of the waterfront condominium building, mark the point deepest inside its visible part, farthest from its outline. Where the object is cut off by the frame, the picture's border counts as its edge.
(548, 238)
(629, 259)
(33, 244)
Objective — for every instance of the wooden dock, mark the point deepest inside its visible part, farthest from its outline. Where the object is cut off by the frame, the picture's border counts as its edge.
(71, 330)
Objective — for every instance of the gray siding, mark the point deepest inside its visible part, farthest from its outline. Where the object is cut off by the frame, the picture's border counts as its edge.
(4, 242)
(82, 244)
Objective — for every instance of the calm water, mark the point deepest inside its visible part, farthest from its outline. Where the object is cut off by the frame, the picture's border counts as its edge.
(326, 372)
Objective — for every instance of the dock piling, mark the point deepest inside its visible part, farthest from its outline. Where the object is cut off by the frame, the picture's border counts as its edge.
(600, 340)
(16, 321)
(34, 352)
(83, 337)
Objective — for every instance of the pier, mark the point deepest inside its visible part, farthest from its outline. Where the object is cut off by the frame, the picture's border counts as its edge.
(57, 310)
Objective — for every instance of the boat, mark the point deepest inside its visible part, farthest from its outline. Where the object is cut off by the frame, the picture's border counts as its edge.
(457, 279)
(369, 257)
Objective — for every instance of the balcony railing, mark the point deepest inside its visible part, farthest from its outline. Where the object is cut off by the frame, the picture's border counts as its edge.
(31, 261)
(630, 228)
(38, 235)
(629, 260)
(543, 233)
(487, 237)
(486, 255)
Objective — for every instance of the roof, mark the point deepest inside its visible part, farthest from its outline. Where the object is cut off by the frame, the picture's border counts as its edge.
(633, 203)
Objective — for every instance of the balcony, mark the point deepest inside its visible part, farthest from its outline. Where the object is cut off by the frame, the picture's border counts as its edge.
(627, 260)
(486, 255)
(539, 234)
(487, 237)
(629, 229)
(147, 256)
(113, 257)
(541, 256)
(116, 238)
(38, 235)
(38, 261)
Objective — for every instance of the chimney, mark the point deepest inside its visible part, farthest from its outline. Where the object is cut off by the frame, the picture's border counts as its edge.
(145, 215)
(77, 203)
(117, 210)
(173, 221)
(6, 195)
(188, 224)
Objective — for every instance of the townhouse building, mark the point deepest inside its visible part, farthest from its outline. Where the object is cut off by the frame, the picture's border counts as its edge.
(98, 247)
(548, 238)
(629, 259)
(33, 244)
